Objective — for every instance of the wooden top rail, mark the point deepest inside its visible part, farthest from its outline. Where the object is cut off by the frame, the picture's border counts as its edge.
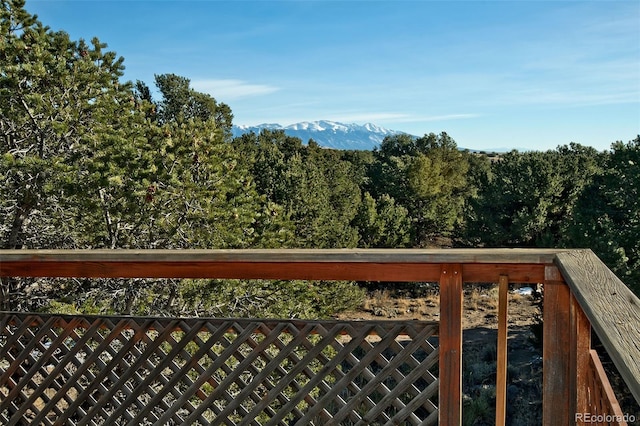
(485, 265)
(494, 255)
(612, 309)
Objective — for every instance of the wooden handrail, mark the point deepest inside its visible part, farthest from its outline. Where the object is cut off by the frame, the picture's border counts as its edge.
(395, 265)
(612, 309)
(491, 255)
(573, 280)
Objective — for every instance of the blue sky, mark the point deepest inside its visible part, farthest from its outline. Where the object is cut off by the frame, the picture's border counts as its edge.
(503, 74)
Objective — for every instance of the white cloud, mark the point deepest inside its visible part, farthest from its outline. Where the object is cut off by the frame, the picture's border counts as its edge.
(372, 117)
(447, 117)
(228, 89)
(390, 117)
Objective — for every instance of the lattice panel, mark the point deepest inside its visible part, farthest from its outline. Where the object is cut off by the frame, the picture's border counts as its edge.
(138, 371)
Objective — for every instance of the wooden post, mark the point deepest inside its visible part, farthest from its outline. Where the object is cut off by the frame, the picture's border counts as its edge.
(450, 402)
(556, 348)
(580, 358)
(501, 362)
(611, 307)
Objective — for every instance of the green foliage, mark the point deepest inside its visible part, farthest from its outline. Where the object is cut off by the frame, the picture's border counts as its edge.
(479, 410)
(66, 308)
(427, 176)
(573, 196)
(382, 223)
(57, 97)
(607, 217)
(268, 299)
(317, 189)
(89, 161)
(181, 103)
(526, 198)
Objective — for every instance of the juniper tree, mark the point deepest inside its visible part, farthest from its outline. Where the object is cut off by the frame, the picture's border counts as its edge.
(427, 176)
(528, 198)
(607, 213)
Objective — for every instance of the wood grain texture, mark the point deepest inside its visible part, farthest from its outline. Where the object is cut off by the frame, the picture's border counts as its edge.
(451, 344)
(603, 400)
(361, 265)
(556, 348)
(501, 362)
(398, 272)
(580, 364)
(499, 255)
(612, 309)
(230, 270)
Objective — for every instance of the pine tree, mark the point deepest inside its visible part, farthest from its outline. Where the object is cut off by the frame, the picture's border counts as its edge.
(53, 92)
(427, 176)
(607, 213)
(528, 198)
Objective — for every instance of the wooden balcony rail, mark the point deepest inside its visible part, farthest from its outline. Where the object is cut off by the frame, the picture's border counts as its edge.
(580, 294)
(122, 370)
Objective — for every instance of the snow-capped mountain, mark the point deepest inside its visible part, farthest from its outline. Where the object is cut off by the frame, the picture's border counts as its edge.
(328, 134)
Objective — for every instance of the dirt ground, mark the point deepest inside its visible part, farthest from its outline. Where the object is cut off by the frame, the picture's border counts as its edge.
(480, 323)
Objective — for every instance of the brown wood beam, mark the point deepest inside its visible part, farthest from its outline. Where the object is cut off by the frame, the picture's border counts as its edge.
(580, 358)
(230, 270)
(611, 308)
(450, 345)
(556, 348)
(496, 255)
(284, 270)
(501, 362)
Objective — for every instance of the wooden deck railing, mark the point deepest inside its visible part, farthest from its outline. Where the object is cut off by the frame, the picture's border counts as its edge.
(75, 370)
(580, 294)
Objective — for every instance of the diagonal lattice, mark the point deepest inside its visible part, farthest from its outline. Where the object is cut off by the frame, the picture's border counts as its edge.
(84, 370)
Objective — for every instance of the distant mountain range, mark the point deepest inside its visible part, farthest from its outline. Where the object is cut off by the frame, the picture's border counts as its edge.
(328, 134)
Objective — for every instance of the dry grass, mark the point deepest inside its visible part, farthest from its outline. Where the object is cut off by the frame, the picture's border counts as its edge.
(481, 299)
(480, 324)
(387, 304)
(480, 306)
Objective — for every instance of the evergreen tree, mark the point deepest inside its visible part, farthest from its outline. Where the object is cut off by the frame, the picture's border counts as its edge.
(72, 158)
(58, 98)
(84, 163)
(607, 213)
(181, 103)
(382, 223)
(316, 188)
(427, 176)
(528, 198)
